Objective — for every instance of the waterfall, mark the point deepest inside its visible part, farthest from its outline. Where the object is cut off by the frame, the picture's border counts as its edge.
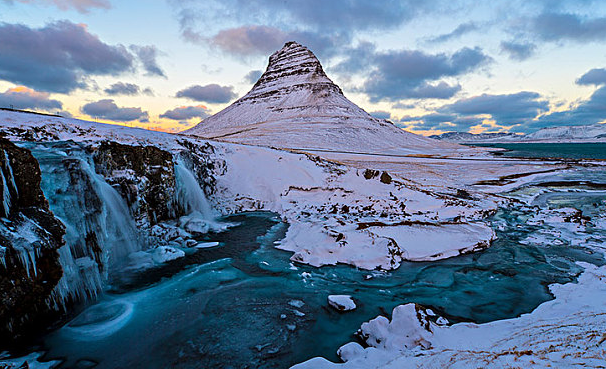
(100, 231)
(6, 170)
(190, 195)
(200, 216)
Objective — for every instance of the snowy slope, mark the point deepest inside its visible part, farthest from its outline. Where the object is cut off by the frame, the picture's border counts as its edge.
(583, 133)
(295, 105)
(337, 214)
(594, 132)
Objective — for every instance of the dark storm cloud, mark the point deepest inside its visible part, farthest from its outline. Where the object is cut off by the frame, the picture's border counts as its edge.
(121, 88)
(107, 109)
(590, 111)
(253, 76)
(186, 112)
(25, 98)
(263, 40)
(406, 74)
(508, 109)
(596, 76)
(567, 26)
(82, 6)
(212, 93)
(357, 59)
(148, 55)
(462, 29)
(57, 57)
(518, 50)
(505, 109)
(263, 26)
(335, 16)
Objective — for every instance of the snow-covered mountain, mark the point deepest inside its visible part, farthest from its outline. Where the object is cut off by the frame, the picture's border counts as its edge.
(295, 105)
(594, 132)
(584, 133)
(477, 137)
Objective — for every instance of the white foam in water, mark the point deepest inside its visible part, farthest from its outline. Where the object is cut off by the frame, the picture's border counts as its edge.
(100, 320)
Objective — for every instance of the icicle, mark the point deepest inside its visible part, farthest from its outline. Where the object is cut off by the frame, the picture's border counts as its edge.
(11, 176)
(6, 195)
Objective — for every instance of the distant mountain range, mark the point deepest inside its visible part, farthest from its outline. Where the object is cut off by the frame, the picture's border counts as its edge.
(586, 133)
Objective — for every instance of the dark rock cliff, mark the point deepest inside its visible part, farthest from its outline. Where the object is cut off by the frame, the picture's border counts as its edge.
(29, 238)
(143, 175)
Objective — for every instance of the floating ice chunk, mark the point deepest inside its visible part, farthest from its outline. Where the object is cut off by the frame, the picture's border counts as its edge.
(205, 245)
(166, 253)
(442, 321)
(296, 303)
(341, 302)
(291, 327)
(298, 313)
(194, 223)
(29, 361)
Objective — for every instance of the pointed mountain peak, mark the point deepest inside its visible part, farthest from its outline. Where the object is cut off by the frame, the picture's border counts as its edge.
(295, 105)
(294, 64)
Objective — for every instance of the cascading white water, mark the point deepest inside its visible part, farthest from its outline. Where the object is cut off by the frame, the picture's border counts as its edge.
(6, 193)
(190, 195)
(200, 216)
(100, 231)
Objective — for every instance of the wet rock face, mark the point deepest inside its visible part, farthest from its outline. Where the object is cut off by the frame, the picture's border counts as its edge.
(143, 175)
(29, 238)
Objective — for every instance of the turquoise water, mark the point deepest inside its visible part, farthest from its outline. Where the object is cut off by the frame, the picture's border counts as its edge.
(551, 150)
(244, 304)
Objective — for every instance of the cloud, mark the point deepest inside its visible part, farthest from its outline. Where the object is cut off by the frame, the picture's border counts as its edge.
(596, 76)
(184, 113)
(26, 98)
(121, 88)
(212, 93)
(403, 74)
(590, 111)
(107, 109)
(253, 76)
(318, 16)
(357, 59)
(260, 40)
(506, 110)
(566, 26)
(518, 50)
(148, 55)
(57, 57)
(381, 114)
(456, 33)
(82, 6)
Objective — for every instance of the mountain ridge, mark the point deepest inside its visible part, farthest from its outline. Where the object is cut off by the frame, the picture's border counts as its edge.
(295, 105)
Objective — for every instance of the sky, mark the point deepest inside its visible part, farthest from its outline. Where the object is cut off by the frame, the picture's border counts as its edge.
(429, 66)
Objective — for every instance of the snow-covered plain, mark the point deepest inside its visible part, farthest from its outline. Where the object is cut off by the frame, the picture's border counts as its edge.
(337, 214)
